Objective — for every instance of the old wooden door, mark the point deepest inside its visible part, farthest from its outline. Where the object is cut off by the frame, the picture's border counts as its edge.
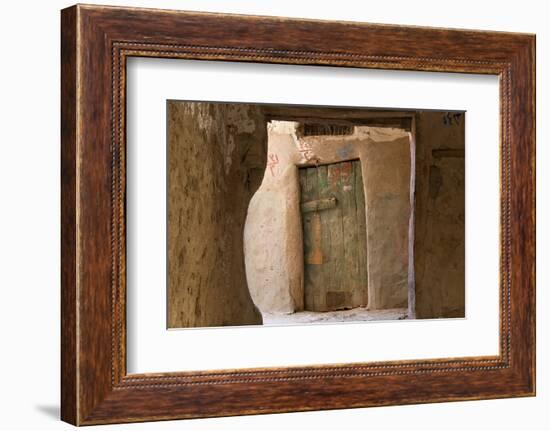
(335, 240)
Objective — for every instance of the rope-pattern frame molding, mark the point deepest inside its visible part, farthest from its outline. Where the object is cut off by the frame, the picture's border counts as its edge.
(123, 49)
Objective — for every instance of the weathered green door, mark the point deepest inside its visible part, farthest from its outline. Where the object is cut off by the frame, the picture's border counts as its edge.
(335, 237)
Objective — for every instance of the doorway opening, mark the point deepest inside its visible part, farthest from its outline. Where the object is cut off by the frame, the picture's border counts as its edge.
(339, 195)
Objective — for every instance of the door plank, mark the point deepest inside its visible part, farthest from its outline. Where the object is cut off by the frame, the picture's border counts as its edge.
(311, 271)
(328, 263)
(336, 227)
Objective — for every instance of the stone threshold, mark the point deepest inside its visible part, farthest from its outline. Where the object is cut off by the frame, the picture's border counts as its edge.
(359, 314)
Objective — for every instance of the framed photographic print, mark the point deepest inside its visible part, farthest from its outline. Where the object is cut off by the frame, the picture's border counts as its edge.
(267, 215)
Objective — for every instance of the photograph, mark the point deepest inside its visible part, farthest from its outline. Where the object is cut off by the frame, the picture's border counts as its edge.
(300, 214)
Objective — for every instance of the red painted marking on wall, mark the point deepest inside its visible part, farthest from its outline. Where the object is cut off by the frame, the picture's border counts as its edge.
(345, 172)
(334, 175)
(273, 161)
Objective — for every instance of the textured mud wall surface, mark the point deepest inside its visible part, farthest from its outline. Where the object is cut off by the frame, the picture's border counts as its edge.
(216, 161)
(273, 231)
(440, 215)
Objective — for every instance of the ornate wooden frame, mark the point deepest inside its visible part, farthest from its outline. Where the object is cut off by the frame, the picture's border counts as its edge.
(95, 42)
